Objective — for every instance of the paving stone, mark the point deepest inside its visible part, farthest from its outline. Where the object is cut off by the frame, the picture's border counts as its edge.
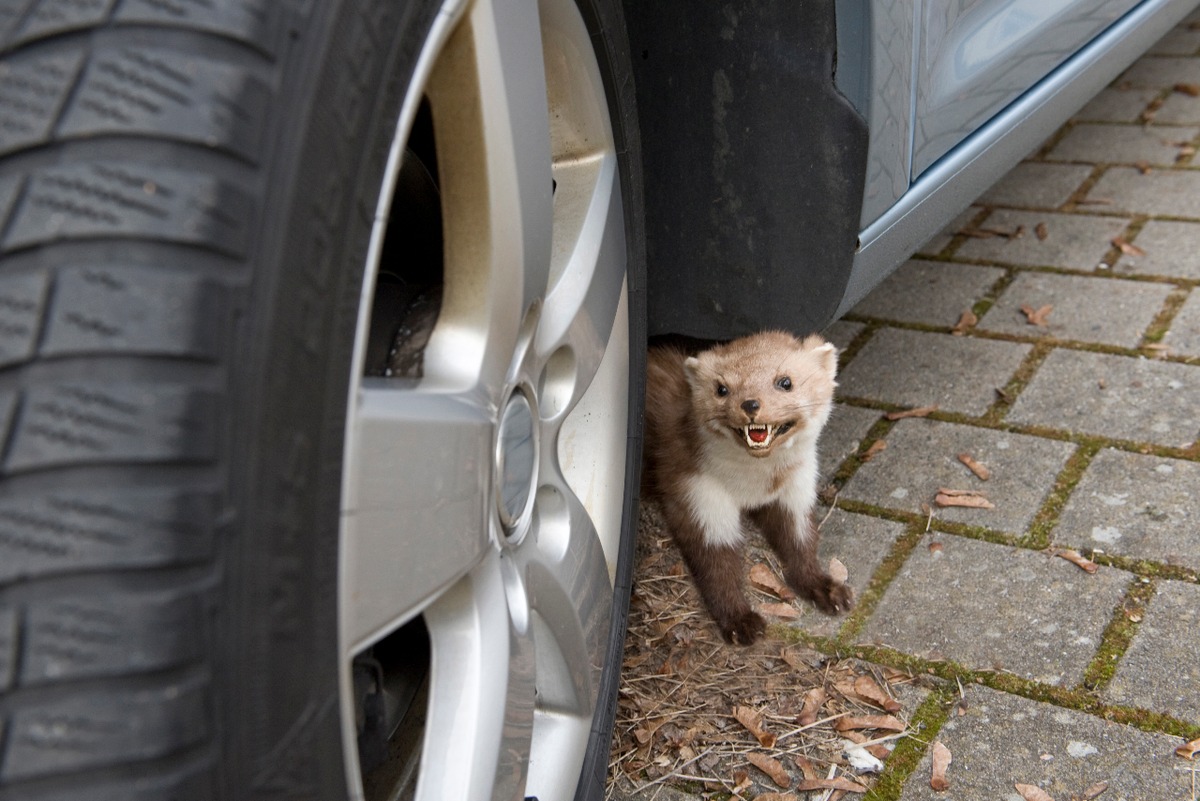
(1172, 249)
(916, 368)
(1180, 41)
(1179, 109)
(921, 457)
(1160, 670)
(1036, 184)
(845, 430)
(1161, 72)
(1073, 241)
(936, 245)
(1002, 740)
(1117, 105)
(1085, 309)
(1130, 504)
(930, 292)
(860, 543)
(997, 607)
(1113, 396)
(1184, 336)
(1160, 192)
(1121, 144)
(842, 333)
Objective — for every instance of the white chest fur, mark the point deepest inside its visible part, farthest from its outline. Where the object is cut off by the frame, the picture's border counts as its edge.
(731, 481)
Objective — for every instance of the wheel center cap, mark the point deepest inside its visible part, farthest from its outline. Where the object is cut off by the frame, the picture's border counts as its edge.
(516, 462)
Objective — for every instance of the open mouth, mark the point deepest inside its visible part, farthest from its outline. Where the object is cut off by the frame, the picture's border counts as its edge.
(760, 435)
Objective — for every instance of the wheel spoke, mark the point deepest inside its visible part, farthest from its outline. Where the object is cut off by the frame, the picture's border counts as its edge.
(570, 591)
(488, 96)
(409, 533)
(580, 307)
(482, 690)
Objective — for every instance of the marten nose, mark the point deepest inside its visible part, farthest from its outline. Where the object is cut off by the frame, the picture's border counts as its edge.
(751, 406)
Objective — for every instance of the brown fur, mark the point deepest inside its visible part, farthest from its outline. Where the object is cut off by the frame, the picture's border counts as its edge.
(700, 464)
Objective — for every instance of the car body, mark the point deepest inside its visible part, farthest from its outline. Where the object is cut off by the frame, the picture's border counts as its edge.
(797, 153)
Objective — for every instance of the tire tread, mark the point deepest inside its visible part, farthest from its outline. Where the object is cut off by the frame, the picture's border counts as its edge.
(104, 663)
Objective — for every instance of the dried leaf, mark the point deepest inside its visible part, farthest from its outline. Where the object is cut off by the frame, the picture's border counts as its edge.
(922, 411)
(793, 659)
(975, 467)
(1188, 750)
(1094, 791)
(941, 760)
(838, 783)
(806, 766)
(1076, 558)
(1126, 247)
(1033, 793)
(1192, 89)
(965, 321)
(1042, 231)
(962, 498)
(1037, 316)
(868, 690)
(838, 571)
(879, 750)
(876, 446)
(814, 699)
(1158, 350)
(885, 722)
(752, 721)
(771, 767)
(763, 577)
(779, 610)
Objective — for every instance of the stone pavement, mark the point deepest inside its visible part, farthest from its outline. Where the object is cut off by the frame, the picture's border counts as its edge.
(1087, 419)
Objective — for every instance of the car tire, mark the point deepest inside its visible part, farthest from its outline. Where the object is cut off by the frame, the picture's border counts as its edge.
(321, 369)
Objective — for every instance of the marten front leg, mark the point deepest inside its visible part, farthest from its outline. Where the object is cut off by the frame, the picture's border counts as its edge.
(715, 561)
(794, 538)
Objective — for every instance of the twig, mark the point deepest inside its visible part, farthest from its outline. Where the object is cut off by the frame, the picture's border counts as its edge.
(832, 506)
(671, 775)
(886, 738)
(830, 776)
(815, 723)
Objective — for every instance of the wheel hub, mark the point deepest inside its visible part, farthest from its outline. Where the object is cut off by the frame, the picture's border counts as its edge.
(516, 463)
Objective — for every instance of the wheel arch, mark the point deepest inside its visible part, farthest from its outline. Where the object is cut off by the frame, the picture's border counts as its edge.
(754, 165)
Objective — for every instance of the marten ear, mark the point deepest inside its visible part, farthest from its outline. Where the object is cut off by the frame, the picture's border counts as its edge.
(691, 368)
(827, 356)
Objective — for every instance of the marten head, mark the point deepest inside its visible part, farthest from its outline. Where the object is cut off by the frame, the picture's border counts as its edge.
(765, 390)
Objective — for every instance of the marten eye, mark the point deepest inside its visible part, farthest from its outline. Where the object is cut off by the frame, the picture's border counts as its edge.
(784, 383)
(722, 390)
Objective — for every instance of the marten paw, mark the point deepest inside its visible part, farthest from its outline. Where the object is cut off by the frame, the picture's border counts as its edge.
(743, 629)
(831, 596)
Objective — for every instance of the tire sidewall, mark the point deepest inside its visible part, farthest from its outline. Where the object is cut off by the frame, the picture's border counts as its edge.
(278, 631)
